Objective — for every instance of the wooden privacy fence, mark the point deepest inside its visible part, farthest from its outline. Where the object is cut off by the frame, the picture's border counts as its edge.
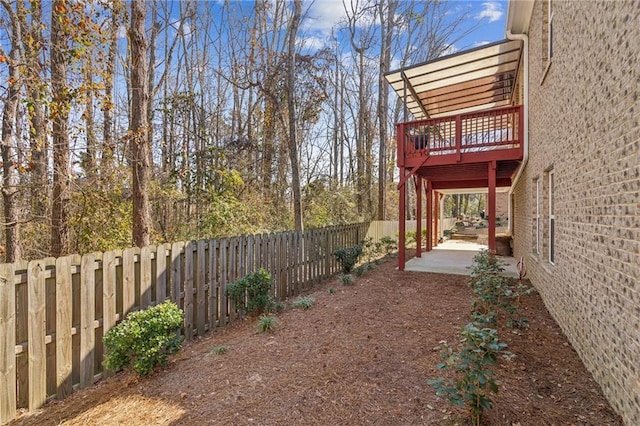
(55, 312)
(390, 228)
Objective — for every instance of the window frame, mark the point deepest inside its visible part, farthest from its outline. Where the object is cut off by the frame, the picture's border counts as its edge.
(552, 218)
(537, 216)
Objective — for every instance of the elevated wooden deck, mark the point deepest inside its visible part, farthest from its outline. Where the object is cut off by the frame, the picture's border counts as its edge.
(482, 149)
(429, 147)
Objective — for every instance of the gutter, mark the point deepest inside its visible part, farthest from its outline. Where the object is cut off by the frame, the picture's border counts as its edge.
(525, 156)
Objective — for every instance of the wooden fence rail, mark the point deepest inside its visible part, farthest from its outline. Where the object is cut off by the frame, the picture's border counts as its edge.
(55, 312)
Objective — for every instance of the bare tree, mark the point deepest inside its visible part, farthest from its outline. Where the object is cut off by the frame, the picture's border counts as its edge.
(9, 113)
(60, 105)
(293, 144)
(138, 125)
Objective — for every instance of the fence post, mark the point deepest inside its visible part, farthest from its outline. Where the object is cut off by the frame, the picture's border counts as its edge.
(87, 316)
(188, 289)
(200, 287)
(7, 343)
(36, 332)
(213, 284)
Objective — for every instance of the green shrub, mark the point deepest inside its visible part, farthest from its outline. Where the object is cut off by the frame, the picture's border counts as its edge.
(251, 293)
(145, 339)
(219, 350)
(304, 302)
(267, 323)
(347, 257)
(493, 292)
(389, 244)
(474, 383)
(346, 279)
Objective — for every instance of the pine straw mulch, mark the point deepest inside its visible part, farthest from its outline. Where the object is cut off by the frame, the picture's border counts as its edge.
(360, 355)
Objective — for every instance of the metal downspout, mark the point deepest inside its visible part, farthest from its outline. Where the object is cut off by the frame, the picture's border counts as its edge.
(525, 156)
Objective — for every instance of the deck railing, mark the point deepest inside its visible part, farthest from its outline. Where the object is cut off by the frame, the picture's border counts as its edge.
(500, 128)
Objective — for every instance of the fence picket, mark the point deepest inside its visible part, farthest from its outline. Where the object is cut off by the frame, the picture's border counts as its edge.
(176, 272)
(36, 332)
(87, 316)
(64, 341)
(128, 280)
(7, 343)
(161, 273)
(188, 289)
(213, 284)
(145, 276)
(224, 305)
(201, 301)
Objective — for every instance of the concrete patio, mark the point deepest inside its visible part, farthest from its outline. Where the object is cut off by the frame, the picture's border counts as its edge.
(455, 257)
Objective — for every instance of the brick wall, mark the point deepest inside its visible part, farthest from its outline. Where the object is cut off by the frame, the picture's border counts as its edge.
(584, 127)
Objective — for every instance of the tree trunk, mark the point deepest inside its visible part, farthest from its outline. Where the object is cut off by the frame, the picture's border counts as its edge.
(60, 232)
(108, 143)
(9, 172)
(386, 33)
(293, 144)
(138, 125)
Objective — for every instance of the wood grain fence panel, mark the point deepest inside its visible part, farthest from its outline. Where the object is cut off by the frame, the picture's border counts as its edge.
(213, 284)
(161, 273)
(231, 272)
(176, 273)
(22, 335)
(201, 284)
(289, 263)
(277, 246)
(242, 256)
(251, 265)
(145, 276)
(188, 288)
(37, 332)
(8, 396)
(128, 280)
(222, 294)
(109, 291)
(64, 325)
(294, 263)
(87, 316)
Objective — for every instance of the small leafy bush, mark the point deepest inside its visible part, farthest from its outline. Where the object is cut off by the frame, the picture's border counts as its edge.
(304, 302)
(389, 244)
(347, 257)
(219, 350)
(346, 279)
(251, 293)
(494, 292)
(474, 383)
(145, 339)
(267, 323)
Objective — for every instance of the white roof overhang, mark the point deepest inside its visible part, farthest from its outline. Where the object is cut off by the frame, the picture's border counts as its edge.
(472, 80)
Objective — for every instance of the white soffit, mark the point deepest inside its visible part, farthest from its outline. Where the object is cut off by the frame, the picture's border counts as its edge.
(471, 80)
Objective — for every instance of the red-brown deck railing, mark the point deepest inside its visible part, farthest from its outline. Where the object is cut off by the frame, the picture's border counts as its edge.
(495, 129)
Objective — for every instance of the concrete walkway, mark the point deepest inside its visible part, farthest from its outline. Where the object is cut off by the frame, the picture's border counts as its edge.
(455, 257)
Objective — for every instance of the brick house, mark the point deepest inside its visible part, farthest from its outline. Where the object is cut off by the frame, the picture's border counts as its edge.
(553, 113)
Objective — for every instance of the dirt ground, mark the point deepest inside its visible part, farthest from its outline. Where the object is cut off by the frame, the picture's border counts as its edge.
(361, 355)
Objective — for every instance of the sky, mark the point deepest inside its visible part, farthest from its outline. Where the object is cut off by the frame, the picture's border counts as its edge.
(322, 15)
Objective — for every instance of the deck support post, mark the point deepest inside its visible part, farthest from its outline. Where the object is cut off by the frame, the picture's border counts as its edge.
(491, 205)
(436, 218)
(429, 192)
(402, 208)
(418, 185)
